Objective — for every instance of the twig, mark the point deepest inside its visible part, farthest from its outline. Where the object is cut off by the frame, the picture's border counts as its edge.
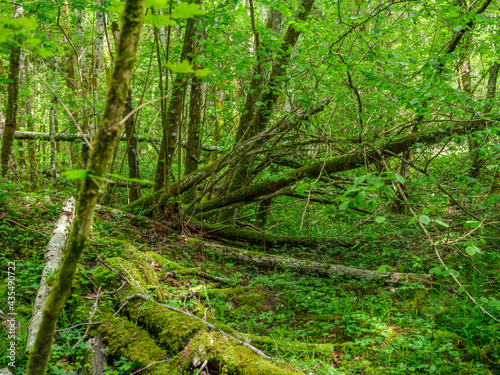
(78, 325)
(202, 367)
(151, 364)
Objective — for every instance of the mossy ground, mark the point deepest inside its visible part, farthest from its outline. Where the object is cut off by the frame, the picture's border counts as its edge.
(318, 325)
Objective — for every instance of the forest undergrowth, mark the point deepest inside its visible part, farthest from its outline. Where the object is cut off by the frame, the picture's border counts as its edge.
(306, 323)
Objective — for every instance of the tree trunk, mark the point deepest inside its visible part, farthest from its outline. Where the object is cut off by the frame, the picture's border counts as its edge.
(52, 127)
(108, 134)
(306, 266)
(193, 140)
(52, 260)
(174, 109)
(12, 101)
(133, 165)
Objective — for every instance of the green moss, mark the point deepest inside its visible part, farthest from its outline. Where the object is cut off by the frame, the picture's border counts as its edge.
(246, 299)
(231, 358)
(172, 330)
(124, 339)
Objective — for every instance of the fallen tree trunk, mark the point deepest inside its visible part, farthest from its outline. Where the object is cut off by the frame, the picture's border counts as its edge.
(52, 260)
(261, 238)
(323, 269)
(338, 164)
(65, 137)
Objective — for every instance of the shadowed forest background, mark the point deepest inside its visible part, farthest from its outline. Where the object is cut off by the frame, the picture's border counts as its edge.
(250, 187)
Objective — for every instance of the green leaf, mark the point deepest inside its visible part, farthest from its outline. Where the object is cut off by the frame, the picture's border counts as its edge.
(76, 174)
(424, 219)
(344, 206)
(183, 67)
(378, 182)
(359, 180)
(472, 224)
(400, 178)
(381, 269)
(115, 6)
(158, 20)
(301, 188)
(380, 219)
(442, 223)
(360, 197)
(202, 72)
(472, 250)
(185, 10)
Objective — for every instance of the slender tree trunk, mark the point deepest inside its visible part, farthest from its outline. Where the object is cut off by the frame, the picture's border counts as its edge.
(255, 119)
(133, 165)
(175, 108)
(102, 152)
(12, 102)
(193, 141)
(52, 127)
(25, 81)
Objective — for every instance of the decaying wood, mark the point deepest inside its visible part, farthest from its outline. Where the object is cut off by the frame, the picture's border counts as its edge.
(97, 359)
(323, 269)
(52, 260)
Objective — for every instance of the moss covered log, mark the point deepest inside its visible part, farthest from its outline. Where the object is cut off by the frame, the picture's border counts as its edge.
(264, 239)
(103, 147)
(323, 269)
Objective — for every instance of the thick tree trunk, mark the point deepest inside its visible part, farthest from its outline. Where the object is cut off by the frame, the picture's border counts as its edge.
(107, 136)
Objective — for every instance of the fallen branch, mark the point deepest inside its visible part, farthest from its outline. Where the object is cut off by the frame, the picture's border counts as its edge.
(52, 260)
(323, 269)
(65, 137)
(261, 238)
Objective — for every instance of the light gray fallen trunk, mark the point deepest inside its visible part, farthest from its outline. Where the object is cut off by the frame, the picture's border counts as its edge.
(64, 137)
(52, 260)
(306, 266)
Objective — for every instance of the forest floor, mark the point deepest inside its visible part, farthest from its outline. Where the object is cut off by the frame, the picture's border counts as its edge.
(308, 324)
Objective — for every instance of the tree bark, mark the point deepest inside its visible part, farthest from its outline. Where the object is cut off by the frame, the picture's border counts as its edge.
(133, 165)
(306, 266)
(107, 136)
(12, 102)
(52, 260)
(193, 140)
